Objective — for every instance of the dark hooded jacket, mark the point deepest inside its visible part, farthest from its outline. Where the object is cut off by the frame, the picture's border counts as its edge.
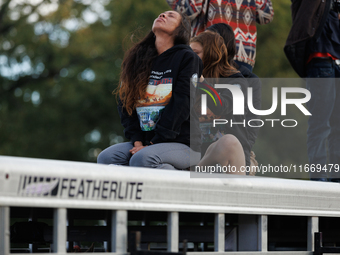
(309, 18)
(171, 71)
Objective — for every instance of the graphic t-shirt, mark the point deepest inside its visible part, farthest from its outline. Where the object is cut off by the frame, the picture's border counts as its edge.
(158, 94)
(163, 113)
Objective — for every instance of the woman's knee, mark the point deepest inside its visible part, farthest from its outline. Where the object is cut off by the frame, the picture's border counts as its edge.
(104, 158)
(144, 159)
(116, 154)
(229, 143)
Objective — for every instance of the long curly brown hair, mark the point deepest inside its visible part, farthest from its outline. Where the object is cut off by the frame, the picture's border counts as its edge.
(137, 64)
(215, 55)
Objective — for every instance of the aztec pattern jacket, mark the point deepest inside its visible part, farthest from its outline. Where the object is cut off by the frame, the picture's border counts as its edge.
(241, 15)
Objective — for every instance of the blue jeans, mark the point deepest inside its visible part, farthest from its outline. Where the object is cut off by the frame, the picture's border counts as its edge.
(324, 124)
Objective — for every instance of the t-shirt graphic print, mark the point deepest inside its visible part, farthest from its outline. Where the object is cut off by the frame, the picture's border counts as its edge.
(158, 95)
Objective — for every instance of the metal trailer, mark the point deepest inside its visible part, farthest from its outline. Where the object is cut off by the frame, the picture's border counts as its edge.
(64, 186)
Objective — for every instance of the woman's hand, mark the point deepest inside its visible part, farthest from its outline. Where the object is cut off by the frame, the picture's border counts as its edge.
(137, 147)
(137, 144)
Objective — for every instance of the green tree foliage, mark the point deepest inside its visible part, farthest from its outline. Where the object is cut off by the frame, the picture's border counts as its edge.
(279, 145)
(270, 58)
(60, 62)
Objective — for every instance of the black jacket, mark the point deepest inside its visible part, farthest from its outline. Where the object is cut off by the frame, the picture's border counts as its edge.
(172, 69)
(225, 111)
(255, 83)
(309, 18)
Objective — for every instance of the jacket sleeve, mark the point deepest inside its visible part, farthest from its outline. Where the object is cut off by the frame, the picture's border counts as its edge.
(132, 130)
(264, 11)
(178, 109)
(192, 8)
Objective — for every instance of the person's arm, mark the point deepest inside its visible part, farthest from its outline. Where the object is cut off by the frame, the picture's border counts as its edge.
(132, 130)
(192, 8)
(169, 124)
(264, 11)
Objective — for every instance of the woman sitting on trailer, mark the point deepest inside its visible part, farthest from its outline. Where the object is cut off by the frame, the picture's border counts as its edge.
(155, 98)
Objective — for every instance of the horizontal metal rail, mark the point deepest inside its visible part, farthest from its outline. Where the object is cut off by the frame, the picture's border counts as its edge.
(210, 253)
(63, 185)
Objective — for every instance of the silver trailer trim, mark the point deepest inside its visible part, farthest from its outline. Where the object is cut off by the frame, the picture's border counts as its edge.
(64, 185)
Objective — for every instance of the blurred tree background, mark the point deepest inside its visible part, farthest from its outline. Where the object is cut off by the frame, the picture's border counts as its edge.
(60, 62)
